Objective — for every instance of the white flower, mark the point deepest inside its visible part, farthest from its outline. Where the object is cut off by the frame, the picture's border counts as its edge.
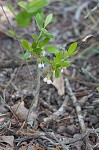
(41, 65)
(45, 79)
(62, 70)
(49, 81)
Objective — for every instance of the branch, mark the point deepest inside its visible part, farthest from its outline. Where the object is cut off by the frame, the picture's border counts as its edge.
(56, 114)
(77, 106)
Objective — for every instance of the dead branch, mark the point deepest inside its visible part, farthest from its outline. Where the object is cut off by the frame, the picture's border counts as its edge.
(88, 76)
(77, 106)
(46, 105)
(56, 114)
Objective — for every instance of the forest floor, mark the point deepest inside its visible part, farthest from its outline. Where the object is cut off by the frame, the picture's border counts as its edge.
(67, 117)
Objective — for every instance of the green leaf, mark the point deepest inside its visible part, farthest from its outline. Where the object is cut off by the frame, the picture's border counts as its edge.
(45, 59)
(58, 57)
(52, 49)
(11, 32)
(64, 64)
(25, 45)
(57, 74)
(22, 4)
(48, 20)
(37, 50)
(74, 53)
(44, 31)
(24, 18)
(39, 21)
(34, 45)
(57, 65)
(72, 48)
(48, 35)
(35, 5)
(34, 37)
(44, 42)
(97, 89)
(66, 54)
(11, 9)
(26, 55)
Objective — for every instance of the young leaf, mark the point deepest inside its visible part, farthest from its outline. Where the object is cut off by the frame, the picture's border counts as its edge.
(44, 42)
(72, 48)
(34, 37)
(45, 59)
(48, 20)
(64, 64)
(39, 21)
(26, 55)
(48, 35)
(11, 32)
(37, 50)
(22, 4)
(52, 49)
(24, 18)
(74, 53)
(35, 5)
(34, 45)
(58, 57)
(25, 45)
(57, 73)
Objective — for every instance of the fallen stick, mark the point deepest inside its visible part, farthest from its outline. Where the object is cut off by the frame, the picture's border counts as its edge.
(77, 106)
(56, 114)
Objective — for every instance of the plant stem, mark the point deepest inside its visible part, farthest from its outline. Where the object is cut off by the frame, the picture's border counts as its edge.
(36, 91)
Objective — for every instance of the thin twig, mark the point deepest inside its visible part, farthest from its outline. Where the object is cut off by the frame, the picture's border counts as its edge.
(88, 76)
(92, 10)
(21, 48)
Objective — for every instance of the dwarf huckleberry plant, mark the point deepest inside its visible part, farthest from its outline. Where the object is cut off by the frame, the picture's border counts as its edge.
(39, 47)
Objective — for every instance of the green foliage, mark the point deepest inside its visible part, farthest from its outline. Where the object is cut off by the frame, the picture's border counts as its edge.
(52, 49)
(11, 32)
(29, 10)
(26, 45)
(97, 89)
(45, 59)
(39, 21)
(48, 20)
(72, 50)
(39, 45)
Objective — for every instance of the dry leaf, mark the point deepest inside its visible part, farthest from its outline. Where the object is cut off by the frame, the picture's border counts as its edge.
(21, 112)
(9, 140)
(59, 84)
